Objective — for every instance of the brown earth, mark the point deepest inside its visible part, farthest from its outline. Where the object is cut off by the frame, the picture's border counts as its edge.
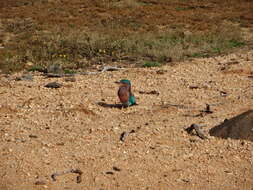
(129, 15)
(44, 131)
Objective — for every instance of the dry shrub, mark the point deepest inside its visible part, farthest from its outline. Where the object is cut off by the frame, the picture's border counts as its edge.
(121, 3)
(71, 48)
(127, 4)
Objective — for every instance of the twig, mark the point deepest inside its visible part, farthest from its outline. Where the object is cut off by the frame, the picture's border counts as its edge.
(197, 128)
(125, 134)
(110, 68)
(77, 171)
(106, 68)
(149, 92)
(202, 113)
(58, 75)
(173, 105)
(207, 110)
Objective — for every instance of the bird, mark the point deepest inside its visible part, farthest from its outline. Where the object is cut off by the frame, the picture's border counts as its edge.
(125, 94)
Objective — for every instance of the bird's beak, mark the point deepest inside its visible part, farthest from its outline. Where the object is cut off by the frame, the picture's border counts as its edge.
(117, 82)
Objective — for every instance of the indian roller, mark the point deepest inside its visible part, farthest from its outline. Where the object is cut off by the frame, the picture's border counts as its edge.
(124, 93)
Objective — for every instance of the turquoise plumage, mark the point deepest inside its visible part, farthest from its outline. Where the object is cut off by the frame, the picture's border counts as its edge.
(125, 94)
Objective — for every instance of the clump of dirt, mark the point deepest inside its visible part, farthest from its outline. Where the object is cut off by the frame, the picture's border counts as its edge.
(238, 127)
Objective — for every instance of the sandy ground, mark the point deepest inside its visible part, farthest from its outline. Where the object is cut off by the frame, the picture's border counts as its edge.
(44, 130)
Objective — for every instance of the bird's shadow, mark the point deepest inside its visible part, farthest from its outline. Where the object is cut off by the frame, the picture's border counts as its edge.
(119, 106)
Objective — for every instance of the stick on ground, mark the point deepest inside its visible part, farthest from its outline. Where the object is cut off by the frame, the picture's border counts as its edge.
(77, 171)
(197, 129)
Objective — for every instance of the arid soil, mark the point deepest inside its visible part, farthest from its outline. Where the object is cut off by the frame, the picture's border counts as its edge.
(44, 130)
(129, 15)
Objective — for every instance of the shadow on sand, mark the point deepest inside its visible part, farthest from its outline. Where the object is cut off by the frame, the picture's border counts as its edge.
(119, 106)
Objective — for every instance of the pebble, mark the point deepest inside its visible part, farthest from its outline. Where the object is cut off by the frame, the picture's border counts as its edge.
(53, 85)
(40, 182)
(27, 77)
(70, 79)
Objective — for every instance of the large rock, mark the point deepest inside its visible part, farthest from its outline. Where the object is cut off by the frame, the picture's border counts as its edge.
(238, 127)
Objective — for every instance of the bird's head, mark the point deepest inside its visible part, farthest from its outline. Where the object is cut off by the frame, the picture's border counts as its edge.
(124, 82)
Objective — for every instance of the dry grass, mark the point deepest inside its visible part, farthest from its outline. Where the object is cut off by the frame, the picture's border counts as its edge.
(110, 4)
(79, 49)
(128, 31)
(127, 4)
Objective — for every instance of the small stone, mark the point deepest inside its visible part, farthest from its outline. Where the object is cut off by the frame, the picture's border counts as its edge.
(123, 136)
(161, 72)
(109, 172)
(27, 77)
(116, 169)
(29, 64)
(60, 144)
(70, 79)
(228, 172)
(33, 136)
(186, 180)
(40, 182)
(53, 85)
(55, 69)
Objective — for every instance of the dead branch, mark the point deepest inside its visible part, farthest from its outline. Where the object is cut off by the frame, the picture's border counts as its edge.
(77, 171)
(106, 68)
(197, 129)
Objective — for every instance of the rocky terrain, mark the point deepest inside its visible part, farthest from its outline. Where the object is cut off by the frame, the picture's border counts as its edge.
(47, 131)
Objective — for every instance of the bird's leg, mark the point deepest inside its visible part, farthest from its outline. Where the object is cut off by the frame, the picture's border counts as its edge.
(125, 105)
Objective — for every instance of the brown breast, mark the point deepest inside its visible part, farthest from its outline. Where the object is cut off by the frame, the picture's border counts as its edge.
(123, 94)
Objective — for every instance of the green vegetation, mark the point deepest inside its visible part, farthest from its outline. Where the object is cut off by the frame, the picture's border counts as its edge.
(151, 64)
(67, 71)
(36, 68)
(77, 49)
(183, 8)
(235, 43)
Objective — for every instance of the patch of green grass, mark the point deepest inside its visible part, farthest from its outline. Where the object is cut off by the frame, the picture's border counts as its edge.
(183, 8)
(216, 50)
(68, 71)
(151, 64)
(38, 68)
(199, 54)
(235, 43)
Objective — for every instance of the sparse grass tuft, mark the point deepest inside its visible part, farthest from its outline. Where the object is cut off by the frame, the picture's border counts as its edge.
(68, 71)
(233, 43)
(18, 26)
(36, 68)
(151, 64)
(78, 49)
(122, 3)
(183, 8)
